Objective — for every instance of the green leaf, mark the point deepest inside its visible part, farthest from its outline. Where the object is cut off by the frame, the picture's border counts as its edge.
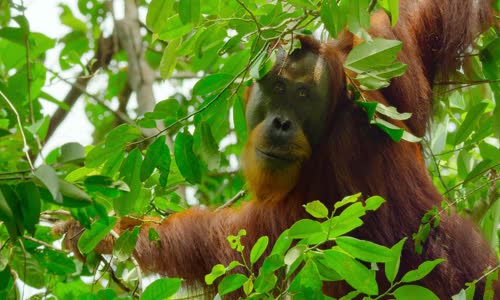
(68, 19)
(231, 283)
(174, 29)
(121, 135)
(307, 282)
(422, 270)
(27, 268)
(7, 216)
(71, 152)
(169, 58)
(470, 122)
(374, 202)
(162, 288)
(392, 7)
(212, 84)
(72, 196)
(413, 292)
(293, 254)
(97, 232)
(125, 244)
(346, 200)
(185, 158)
(317, 209)
(391, 267)
(282, 243)
(372, 54)
(396, 133)
(153, 235)
(370, 108)
(189, 11)
(304, 228)
(130, 172)
(392, 112)
(158, 13)
(29, 197)
(364, 250)
(217, 271)
(208, 148)
(354, 273)
(157, 156)
(258, 249)
(165, 109)
(263, 64)
(333, 17)
(49, 179)
(265, 282)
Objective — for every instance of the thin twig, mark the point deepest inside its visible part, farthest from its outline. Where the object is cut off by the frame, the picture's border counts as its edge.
(26, 148)
(472, 82)
(29, 238)
(470, 178)
(230, 202)
(124, 118)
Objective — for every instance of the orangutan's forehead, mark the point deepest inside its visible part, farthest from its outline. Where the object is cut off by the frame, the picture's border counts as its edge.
(309, 67)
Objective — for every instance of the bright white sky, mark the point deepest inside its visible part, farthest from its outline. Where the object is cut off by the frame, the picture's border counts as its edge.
(43, 16)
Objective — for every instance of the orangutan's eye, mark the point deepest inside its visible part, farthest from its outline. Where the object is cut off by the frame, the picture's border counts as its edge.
(280, 87)
(303, 92)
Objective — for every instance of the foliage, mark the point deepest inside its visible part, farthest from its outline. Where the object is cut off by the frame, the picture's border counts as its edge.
(311, 252)
(152, 160)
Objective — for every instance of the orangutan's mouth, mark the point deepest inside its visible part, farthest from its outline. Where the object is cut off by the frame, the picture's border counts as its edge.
(274, 155)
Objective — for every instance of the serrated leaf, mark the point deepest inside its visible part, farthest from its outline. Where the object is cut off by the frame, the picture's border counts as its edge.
(425, 268)
(364, 250)
(413, 292)
(258, 249)
(317, 209)
(162, 288)
(97, 232)
(185, 158)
